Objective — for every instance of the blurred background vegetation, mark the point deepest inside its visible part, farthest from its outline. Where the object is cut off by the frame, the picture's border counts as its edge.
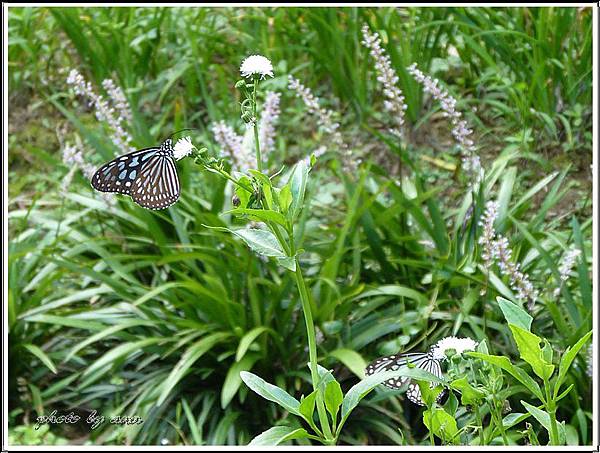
(126, 311)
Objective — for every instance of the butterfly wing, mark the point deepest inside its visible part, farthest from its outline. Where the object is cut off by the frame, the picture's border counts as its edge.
(414, 392)
(119, 174)
(393, 362)
(157, 185)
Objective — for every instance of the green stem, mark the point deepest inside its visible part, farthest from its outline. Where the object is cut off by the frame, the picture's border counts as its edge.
(551, 409)
(498, 417)
(480, 422)
(312, 349)
(254, 114)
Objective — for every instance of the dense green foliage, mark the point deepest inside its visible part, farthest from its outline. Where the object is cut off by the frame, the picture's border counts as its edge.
(121, 310)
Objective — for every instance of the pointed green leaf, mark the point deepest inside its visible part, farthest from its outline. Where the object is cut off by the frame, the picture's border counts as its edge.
(352, 359)
(233, 380)
(514, 314)
(507, 366)
(277, 435)
(529, 348)
(567, 359)
(36, 351)
(271, 392)
(307, 406)
(333, 398)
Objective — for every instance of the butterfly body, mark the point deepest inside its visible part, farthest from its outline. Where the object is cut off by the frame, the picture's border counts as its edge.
(424, 361)
(148, 176)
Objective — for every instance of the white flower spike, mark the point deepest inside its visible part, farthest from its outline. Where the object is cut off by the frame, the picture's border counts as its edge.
(256, 65)
(183, 148)
(458, 344)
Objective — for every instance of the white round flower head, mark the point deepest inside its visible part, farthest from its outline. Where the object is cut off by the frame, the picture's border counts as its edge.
(183, 148)
(256, 64)
(458, 344)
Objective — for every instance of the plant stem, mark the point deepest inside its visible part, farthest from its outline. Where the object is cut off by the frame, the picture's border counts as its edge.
(553, 427)
(312, 348)
(254, 114)
(480, 422)
(551, 409)
(498, 416)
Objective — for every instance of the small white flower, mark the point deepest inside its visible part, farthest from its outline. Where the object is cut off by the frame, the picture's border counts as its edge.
(183, 148)
(458, 344)
(256, 64)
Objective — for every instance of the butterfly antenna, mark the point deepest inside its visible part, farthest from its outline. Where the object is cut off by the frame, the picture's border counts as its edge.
(181, 130)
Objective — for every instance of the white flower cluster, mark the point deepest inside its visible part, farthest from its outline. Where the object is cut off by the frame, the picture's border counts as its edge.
(387, 77)
(324, 120)
(268, 120)
(565, 267)
(460, 130)
(489, 233)
(183, 148)
(256, 65)
(496, 249)
(73, 158)
(229, 142)
(459, 345)
(324, 116)
(118, 98)
(104, 111)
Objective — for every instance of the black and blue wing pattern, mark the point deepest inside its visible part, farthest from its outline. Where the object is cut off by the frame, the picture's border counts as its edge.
(425, 361)
(148, 175)
(157, 186)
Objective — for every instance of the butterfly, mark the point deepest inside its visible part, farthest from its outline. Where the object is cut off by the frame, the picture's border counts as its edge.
(148, 176)
(425, 361)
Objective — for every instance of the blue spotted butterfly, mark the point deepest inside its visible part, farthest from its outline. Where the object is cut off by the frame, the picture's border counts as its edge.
(148, 176)
(425, 361)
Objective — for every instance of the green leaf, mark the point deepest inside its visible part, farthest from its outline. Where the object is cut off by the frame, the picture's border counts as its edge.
(189, 357)
(529, 348)
(263, 215)
(517, 373)
(285, 198)
(247, 340)
(514, 314)
(271, 392)
(468, 394)
(513, 419)
(116, 354)
(544, 418)
(333, 398)
(277, 435)
(307, 406)
(297, 182)
(352, 359)
(441, 424)
(261, 241)
(567, 359)
(395, 290)
(289, 262)
(242, 193)
(429, 394)
(192, 424)
(233, 380)
(36, 351)
(360, 390)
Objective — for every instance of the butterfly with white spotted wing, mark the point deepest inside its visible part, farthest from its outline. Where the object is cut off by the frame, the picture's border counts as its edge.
(424, 361)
